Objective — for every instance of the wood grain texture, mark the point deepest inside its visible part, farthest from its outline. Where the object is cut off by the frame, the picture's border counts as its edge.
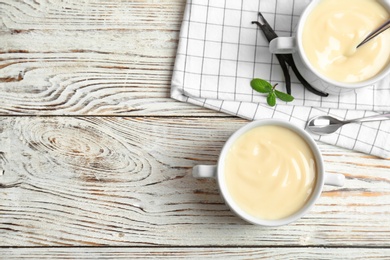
(97, 181)
(95, 158)
(196, 253)
(89, 58)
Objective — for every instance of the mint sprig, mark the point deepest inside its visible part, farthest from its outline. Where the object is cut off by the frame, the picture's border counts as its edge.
(263, 86)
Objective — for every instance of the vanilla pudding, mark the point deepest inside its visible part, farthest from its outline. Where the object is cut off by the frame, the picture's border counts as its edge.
(333, 30)
(270, 172)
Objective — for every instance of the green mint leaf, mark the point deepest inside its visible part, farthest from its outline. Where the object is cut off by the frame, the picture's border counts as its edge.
(261, 85)
(271, 99)
(284, 96)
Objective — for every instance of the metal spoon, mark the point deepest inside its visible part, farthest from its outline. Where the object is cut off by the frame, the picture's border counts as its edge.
(376, 32)
(323, 125)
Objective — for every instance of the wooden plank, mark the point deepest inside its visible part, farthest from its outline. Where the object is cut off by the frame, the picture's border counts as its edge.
(91, 14)
(90, 58)
(95, 181)
(195, 253)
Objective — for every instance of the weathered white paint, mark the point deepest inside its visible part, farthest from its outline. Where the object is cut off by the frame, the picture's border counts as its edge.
(89, 57)
(126, 181)
(196, 253)
(107, 160)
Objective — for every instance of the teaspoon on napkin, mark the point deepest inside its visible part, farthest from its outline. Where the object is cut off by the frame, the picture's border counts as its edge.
(323, 125)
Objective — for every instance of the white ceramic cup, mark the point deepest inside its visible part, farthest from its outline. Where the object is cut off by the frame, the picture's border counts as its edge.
(217, 171)
(294, 45)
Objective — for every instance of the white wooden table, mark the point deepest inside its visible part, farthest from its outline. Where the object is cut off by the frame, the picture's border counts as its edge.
(95, 158)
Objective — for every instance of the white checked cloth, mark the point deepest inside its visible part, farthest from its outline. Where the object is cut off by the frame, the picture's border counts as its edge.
(220, 51)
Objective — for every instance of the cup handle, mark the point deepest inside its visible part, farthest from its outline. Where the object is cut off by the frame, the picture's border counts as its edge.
(282, 45)
(204, 171)
(334, 179)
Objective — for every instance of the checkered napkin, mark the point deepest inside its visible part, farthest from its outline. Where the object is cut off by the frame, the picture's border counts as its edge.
(220, 51)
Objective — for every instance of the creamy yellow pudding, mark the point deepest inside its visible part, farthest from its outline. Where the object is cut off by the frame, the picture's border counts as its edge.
(270, 172)
(333, 30)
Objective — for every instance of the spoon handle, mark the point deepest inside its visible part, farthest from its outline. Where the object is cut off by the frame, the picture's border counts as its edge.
(380, 117)
(379, 30)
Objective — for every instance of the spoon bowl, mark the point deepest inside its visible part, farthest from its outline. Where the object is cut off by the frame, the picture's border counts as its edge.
(323, 125)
